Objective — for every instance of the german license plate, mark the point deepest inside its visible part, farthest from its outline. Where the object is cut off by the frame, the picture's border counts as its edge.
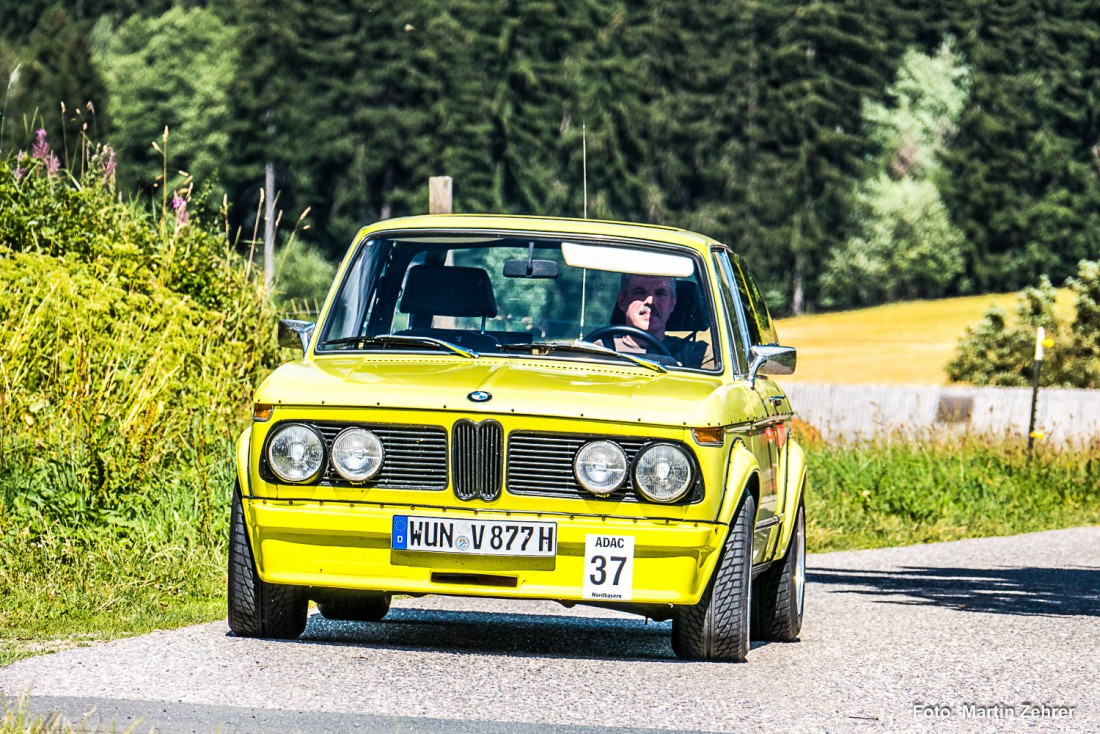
(474, 537)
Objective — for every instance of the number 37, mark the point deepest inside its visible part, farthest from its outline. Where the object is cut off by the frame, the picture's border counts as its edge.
(600, 564)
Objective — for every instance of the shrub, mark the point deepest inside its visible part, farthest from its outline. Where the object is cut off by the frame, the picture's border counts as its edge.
(999, 351)
(132, 340)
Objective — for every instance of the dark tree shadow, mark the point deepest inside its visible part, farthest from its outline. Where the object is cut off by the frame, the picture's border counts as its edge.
(1023, 591)
(496, 634)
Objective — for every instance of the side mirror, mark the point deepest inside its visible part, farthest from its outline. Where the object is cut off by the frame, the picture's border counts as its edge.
(294, 333)
(771, 360)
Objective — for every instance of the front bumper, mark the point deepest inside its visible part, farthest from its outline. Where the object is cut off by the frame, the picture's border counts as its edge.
(349, 547)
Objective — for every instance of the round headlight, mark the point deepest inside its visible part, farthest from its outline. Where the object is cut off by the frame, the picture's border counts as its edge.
(662, 473)
(357, 454)
(296, 453)
(600, 467)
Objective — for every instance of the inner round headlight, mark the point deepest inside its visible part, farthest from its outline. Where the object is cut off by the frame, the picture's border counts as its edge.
(600, 467)
(662, 473)
(357, 454)
(296, 453)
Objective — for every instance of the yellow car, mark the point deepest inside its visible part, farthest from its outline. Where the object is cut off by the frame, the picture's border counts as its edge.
(528, 408)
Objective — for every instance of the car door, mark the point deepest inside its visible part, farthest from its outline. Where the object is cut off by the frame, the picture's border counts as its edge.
(776, 424)
(763, 436)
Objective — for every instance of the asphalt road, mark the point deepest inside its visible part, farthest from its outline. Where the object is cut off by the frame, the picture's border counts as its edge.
(992, 635)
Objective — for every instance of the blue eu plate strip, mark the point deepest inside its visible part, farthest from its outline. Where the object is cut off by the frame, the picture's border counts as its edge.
(400, 539)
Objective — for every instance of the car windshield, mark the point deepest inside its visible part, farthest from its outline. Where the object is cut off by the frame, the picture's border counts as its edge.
(526, 297)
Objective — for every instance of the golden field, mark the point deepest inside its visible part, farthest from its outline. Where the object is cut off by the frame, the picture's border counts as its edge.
(900, 343)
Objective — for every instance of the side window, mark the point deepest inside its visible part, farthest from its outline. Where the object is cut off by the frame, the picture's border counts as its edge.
(760, 321)
(734, 315)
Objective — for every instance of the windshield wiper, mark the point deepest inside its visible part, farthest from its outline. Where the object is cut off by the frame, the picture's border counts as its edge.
(384, 340)
(582, 347)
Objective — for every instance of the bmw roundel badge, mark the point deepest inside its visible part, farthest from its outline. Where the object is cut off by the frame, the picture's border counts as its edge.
(480, 396)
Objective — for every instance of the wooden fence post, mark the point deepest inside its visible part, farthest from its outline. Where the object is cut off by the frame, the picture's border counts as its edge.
(439, 195)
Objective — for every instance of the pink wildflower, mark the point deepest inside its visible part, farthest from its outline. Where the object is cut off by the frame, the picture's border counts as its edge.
(52, 164)
(41, 148)
(180, 205)
(109, 167)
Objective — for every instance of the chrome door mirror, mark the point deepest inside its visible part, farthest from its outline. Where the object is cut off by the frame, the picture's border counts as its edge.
(294, 333)
(771, 361)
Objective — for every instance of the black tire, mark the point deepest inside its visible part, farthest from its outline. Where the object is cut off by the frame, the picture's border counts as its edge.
(717, 628)
(257, 608)
(779, 594)
(351, 606)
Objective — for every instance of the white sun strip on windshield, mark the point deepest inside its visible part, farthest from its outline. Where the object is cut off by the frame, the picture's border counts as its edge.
(627, 260)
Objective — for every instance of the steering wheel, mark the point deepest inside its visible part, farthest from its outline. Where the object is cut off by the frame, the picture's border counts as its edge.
(633, 332)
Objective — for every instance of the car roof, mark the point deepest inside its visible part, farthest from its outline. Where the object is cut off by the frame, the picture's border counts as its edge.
(542, 225)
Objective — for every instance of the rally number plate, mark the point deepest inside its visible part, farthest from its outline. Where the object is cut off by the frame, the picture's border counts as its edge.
(474, 537)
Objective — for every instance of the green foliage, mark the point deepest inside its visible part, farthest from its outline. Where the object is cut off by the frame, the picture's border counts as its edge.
(1001, 352)
(303, 278)
(1021, 176)
(905, 246)
(173, 71)
(53, 83)
(132, 344)
(889, 492)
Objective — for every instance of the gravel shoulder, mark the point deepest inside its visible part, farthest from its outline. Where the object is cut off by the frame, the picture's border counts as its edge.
(981, 635)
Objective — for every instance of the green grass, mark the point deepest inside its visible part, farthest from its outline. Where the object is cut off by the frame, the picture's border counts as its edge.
(60, 593)
(893, 492)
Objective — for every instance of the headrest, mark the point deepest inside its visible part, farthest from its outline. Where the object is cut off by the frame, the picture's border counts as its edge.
(690, 313)
(448, 291)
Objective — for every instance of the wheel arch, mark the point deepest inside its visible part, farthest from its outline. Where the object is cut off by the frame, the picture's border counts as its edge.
(742, 475)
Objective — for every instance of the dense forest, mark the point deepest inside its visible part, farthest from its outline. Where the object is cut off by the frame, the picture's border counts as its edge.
(856, 151)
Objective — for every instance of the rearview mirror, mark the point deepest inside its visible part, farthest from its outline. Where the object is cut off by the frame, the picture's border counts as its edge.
(530, 269)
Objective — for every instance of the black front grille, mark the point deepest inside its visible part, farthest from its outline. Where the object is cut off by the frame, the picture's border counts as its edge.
(477, 451)
(415, 456)
(541, 464)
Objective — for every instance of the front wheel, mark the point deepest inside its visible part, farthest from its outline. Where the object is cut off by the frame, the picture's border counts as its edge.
(717, 628)
(257, 608)
(780, 592)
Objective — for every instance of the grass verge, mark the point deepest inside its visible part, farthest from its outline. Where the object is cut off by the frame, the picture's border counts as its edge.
(61, 593)
(892, 492)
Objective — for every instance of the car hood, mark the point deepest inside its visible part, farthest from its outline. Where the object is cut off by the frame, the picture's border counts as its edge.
(545, 387)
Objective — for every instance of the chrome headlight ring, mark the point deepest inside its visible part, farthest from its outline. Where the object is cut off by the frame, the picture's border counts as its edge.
(663, 472)
(357, 454)
(296, 453)
(600, 467)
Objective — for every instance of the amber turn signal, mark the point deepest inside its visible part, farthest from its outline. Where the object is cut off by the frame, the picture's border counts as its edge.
(710, 436)
(262, 412)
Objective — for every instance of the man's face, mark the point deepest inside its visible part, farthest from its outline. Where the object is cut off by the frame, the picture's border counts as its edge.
(647, 302)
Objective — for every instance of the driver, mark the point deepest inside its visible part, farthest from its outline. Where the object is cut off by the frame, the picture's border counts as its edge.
(647, 302)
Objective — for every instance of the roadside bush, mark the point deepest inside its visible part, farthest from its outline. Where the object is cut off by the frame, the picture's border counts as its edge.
(131, 343)
(1000, 351)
